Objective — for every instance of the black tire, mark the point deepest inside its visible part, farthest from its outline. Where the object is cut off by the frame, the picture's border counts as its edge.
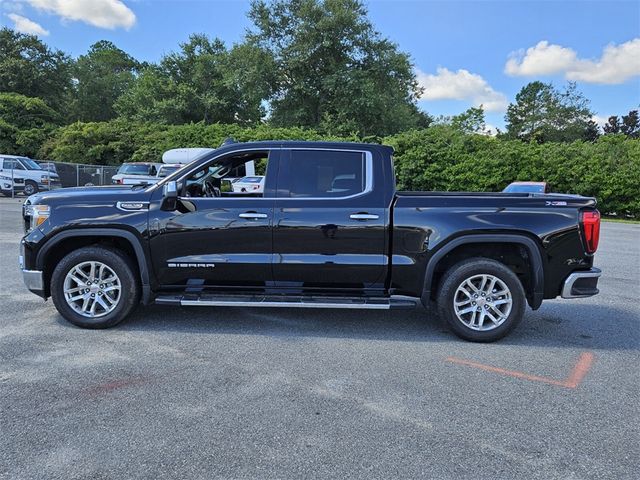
(119, 263)
(454, 278)
(30, 187)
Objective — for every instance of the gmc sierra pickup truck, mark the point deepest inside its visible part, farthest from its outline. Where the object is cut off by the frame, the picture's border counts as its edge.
(328, 231)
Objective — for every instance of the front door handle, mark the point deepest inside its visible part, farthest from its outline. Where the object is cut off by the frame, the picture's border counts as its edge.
(363, 216)
(253, 215)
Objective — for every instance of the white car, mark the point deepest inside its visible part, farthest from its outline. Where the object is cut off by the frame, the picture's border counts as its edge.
(28, 173)
(138, 172)
(254, 184)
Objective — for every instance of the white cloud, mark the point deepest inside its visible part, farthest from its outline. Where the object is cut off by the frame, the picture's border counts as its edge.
(543, 59)
(617, 64)
(100, 13)
(600, 119)
(461, 85)
(24, 25)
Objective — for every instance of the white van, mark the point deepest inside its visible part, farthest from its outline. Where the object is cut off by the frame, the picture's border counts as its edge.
(34, 176)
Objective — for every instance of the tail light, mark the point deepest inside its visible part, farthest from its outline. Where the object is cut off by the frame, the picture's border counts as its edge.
(591, 228)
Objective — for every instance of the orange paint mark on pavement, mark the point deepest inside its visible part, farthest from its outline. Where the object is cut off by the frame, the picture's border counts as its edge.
(574, 379)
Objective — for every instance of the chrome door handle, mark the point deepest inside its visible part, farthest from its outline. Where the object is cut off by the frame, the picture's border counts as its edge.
(253, 215)
(363, 216)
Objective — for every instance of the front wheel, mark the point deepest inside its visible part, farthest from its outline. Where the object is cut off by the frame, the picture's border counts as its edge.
(95, 287)
(481, 299)
(30, 188)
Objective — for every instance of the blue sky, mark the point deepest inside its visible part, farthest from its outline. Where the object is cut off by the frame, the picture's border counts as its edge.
(465, 53)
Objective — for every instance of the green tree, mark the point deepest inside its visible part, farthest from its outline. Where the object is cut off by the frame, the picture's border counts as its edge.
(30, 68)
(612, 126)
(25, 123)
(333, 69)
(102, 75)
(631, 124)
(200, 82)
(544, 114)
(470, 121)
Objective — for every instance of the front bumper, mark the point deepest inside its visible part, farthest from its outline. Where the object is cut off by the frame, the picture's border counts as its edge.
(581, 284)
(33, 279)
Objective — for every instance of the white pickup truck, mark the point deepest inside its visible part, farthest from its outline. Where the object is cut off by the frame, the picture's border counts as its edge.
(134, 173)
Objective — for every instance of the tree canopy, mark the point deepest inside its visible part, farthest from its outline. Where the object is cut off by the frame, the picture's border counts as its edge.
(30, 68)
(543, 113)
(333, 70)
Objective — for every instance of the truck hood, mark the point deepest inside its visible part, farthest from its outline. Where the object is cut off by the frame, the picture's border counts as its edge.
(108, 193)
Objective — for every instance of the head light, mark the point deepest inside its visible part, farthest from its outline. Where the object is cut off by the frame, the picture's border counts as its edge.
(37, 213)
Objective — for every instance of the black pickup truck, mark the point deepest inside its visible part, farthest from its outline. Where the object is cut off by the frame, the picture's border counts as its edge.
(328, 231)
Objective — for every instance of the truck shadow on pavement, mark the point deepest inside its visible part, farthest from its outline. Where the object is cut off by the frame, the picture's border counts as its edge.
(556, 324)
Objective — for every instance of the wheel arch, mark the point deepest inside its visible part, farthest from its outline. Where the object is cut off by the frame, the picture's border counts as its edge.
(69, 240)
(535, 264)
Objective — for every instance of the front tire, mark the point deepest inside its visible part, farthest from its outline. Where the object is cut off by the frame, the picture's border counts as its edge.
(95, 287)
(481, 299)
(30, 188)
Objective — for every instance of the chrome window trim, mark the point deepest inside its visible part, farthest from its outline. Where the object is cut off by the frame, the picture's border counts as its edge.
(368, 174)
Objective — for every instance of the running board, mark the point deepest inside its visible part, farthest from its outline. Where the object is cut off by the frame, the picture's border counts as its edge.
(275, 301)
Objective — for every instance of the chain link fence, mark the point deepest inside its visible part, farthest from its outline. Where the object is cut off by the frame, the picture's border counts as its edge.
(17, 178)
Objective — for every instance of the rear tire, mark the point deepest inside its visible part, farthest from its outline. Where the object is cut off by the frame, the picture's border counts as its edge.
(481, 299)
(95, 287)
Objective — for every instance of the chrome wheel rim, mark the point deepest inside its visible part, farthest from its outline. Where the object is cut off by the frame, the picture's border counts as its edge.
(92, 289)
(482, 302)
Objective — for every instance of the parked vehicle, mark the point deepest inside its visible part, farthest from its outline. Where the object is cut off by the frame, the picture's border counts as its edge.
(249, 184)
(10, 186)
(527, 187)
(167, 170)
(330, 230)
(35, 178)
(136, 172)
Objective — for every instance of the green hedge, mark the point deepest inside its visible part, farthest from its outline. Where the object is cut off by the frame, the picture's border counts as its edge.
(436, 158)
(440, 158)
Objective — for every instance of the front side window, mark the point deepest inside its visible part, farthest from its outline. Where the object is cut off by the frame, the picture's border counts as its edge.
(226, 176)
(326, 174)
(13, 165)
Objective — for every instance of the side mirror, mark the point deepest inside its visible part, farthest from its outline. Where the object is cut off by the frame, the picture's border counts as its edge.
(170, 190)
(170, 196)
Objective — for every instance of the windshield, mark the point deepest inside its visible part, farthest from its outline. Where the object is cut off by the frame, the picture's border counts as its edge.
(134, 169)
(179, 172)
(30, 164)
(251, 180)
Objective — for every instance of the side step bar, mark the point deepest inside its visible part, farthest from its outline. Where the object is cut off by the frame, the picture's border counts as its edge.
(368, 303)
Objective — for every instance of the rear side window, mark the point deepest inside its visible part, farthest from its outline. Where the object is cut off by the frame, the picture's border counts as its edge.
(326, 174)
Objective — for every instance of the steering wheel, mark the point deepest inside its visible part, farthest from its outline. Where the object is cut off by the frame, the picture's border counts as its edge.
(210, 190)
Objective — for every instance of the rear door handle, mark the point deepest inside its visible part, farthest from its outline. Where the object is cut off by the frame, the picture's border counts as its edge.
(253, 215)
(363, 216)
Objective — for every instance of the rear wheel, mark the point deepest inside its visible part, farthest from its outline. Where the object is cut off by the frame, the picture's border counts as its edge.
(481, 299)
(95, 287)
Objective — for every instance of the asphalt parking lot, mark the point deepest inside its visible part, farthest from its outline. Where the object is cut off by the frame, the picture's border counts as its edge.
(284, 393)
